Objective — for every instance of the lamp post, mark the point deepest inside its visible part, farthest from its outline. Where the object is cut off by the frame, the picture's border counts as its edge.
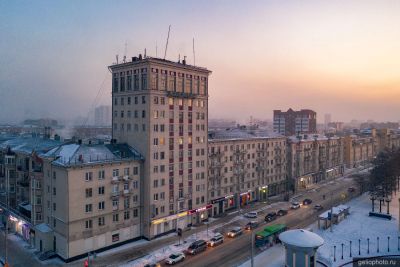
(252, 248)
(342, 251)
(350, 249)
(368, 245)
(359, 246)
(377, 240)
(388, 243)
(334, 253)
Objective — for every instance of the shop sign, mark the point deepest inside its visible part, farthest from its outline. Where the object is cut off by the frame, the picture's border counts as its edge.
(169, 218)
(209, 206)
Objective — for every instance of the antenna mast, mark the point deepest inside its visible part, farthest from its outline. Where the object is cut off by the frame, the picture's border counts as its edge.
(194, 55)
(126, 44)
(166, 45)
(156, 49)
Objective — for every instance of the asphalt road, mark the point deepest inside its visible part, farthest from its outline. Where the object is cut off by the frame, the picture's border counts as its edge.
(234, 251)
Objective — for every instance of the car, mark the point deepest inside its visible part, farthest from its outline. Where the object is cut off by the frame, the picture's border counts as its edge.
(152, 265)
(251, 225)
(270, 217)
(235, 232)
(282, 212)
(307, 201)
(295, 205)
(216, 240)
(251, 214)
(175, 258)
(318, 207)
(351, 189)
(197, 246)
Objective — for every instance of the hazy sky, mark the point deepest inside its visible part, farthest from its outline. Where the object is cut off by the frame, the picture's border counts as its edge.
(338, 57)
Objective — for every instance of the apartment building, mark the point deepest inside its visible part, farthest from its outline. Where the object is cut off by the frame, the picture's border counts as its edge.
(386, 139)
(160, 107)
(314, 158)
(91, 199)
(359, 150)
(21, 179)
(244, 165)
(295, 122)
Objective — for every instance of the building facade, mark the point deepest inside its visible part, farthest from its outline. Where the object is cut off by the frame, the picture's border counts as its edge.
(244, 166)
(359, 150)
(91, 199)
(295, 122)
(160, 107)
(314, 158)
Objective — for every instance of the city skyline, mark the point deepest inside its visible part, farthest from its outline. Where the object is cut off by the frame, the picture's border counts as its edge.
(337, 58)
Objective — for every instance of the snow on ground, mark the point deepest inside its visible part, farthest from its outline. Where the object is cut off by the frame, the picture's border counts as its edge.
(358, 225)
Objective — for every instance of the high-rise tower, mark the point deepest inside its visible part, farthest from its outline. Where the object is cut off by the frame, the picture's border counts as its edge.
(160, 108)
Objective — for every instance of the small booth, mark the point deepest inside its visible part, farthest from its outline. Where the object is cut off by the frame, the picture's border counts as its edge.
(339, 213)
(301, 247)
(269, 235)
(43, 237)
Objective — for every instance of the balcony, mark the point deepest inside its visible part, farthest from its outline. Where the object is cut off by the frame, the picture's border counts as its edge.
(126, 192)
(115, 179)
(127, 178)
(114, 208)
(114, 194)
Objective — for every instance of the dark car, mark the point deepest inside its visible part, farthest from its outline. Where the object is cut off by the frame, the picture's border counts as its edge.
(351, 189)
(270, 217)
(197, 246)
(318, 207)
(282, 212)
(307, 201)
(251, 225)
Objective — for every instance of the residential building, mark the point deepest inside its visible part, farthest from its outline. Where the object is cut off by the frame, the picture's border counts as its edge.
(295, 122)
(160, 107)
(91, 199)
(314, 158)
(245, 165)
(359, 150)
(102, 115)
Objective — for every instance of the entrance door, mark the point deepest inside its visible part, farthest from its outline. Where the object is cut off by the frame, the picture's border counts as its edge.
(54, 244)
(41, 246)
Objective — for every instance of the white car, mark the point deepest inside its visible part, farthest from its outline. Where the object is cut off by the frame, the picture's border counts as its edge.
(295, 205)
(216, 240)
(251, 214)
(235, 232)
(175, 258)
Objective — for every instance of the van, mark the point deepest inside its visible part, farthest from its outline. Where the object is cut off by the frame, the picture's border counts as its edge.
(216, 240)
(197, 246)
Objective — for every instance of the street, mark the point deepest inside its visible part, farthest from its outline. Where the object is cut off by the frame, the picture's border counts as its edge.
(234, 251)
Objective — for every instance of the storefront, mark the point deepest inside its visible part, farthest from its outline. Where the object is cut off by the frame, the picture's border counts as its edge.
(200, 214)
(170, 223)
(263, 193)
(218, 206)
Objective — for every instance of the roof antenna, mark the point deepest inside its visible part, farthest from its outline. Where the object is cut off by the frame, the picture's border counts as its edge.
(145, 53)
(116, 56)
(179, 58)
(156, 49)
(126, 45)
(194, 55)
(166, 45)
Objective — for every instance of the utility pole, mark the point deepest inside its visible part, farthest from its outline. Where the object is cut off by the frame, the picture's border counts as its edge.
(7, 217)
(331, 212)
(252, 248)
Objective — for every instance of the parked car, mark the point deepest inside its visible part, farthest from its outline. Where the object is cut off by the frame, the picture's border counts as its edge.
(270, 217)
(235, 232)
(282, 212)
(307, 201)
(251, 214)
(318, 207)
(197, 246)
(251, 225)
(175, 258)
(216, 240)
(351, 189)
(295, 205)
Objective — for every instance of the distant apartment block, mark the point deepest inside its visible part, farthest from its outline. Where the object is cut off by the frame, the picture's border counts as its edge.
(102, 116)
(295, 122)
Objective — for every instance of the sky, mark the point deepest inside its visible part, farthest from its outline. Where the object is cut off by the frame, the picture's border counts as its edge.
(337, 57)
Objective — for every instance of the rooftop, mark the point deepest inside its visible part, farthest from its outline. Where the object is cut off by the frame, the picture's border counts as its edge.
(28, 144)
(301, 238)
(241, 133)
(82, 154)
(310, 137)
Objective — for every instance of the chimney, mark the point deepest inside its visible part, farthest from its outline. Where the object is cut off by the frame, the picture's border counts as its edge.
(184, 60)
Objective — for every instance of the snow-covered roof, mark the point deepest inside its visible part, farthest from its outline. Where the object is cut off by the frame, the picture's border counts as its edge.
(43, 227)
(80, 154)
(241, 134)
(28, 144)
(335, 210)
(301, 238)
(311, 137)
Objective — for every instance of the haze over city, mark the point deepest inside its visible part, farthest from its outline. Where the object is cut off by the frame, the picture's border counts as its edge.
(336, 57)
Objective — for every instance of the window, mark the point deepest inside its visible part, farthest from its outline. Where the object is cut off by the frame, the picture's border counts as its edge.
(101, 174)
(135, 198)
(88, 224)
(88, 208)
(101, 221)
(126, 171)
(143, 99)
(115, 172)
(101, 190)
(54, 191)
(88, 176)
(135, 184)
(101, 205)
(115, 217)
(135, 170)
(135, 212)
(126, 215)
(54, 206)
(126, 202)
(88, 192)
